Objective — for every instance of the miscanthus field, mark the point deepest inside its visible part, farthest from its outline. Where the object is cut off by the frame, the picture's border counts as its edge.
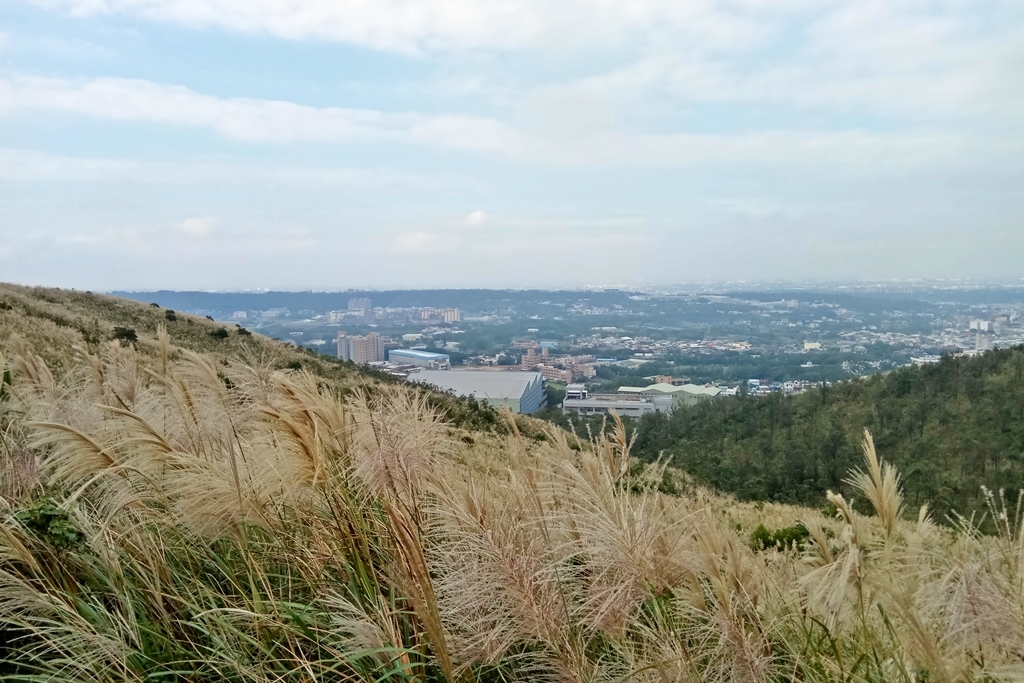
(175, 515)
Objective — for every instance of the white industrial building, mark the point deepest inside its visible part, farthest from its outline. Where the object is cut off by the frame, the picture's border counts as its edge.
(522, 392)
(687, 394)
(424, 359)
(578, 400)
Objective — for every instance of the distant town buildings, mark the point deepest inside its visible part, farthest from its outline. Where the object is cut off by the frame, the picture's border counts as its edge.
(361, 350)
(668, 379)
(358, 308)
(361, 309)
(553, 374)
(274, 313)
(446, 315)
(556, 368)
(564, 346)
(362, 306)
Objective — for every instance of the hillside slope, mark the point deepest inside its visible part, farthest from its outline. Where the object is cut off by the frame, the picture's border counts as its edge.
(53, 322)
(208, 517)
(951, 428)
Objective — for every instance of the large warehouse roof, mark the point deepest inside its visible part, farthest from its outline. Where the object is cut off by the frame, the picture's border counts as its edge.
(691, 389)
(481, 384)
(414, 353)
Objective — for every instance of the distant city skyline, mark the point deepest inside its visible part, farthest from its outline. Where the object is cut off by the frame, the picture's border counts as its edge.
(329, 144)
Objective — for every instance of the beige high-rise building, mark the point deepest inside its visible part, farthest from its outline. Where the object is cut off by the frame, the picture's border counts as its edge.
(359, 349)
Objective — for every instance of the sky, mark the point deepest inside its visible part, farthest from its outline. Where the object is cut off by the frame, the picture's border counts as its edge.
(329, 144)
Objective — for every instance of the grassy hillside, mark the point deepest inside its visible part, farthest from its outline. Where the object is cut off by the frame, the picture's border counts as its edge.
(53, 323)
(951, 428)
(170, 515)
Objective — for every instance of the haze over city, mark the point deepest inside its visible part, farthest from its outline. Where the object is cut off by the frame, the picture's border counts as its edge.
(207, 144)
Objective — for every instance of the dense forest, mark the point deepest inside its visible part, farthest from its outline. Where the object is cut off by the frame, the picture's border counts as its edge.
(950, 428)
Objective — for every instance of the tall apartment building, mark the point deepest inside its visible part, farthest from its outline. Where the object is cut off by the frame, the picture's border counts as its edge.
(360, 350)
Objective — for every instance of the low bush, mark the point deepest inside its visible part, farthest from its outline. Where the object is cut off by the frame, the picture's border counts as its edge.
(125, 335)
(49, 523)
(786, 538)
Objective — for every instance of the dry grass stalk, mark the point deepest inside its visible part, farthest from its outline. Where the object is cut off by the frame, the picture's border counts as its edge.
(248, 523)
(880, 485)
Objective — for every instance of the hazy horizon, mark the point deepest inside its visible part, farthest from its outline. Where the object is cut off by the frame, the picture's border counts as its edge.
(326, 145)
(822, 285)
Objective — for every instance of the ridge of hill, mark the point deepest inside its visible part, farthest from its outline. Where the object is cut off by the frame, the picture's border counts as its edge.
(53, 321)
(951, 428)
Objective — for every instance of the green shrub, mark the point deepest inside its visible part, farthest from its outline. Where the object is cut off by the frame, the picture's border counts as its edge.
(786, 538)
(50, 523)
(170, 315)
(125, 335)
(220, 333)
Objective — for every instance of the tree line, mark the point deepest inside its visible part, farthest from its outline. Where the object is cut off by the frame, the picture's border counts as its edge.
(950, 427)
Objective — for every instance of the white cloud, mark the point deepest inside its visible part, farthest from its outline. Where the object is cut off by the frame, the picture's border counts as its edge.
(156, 243)
(922, 61)
(274, 121)
(36, 166)
(198, 226)
(417, 26)
(247, 119)
(476, 219)
(882, 53)
(423, 242)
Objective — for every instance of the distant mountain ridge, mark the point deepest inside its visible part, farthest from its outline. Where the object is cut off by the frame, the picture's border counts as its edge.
(326, 301)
